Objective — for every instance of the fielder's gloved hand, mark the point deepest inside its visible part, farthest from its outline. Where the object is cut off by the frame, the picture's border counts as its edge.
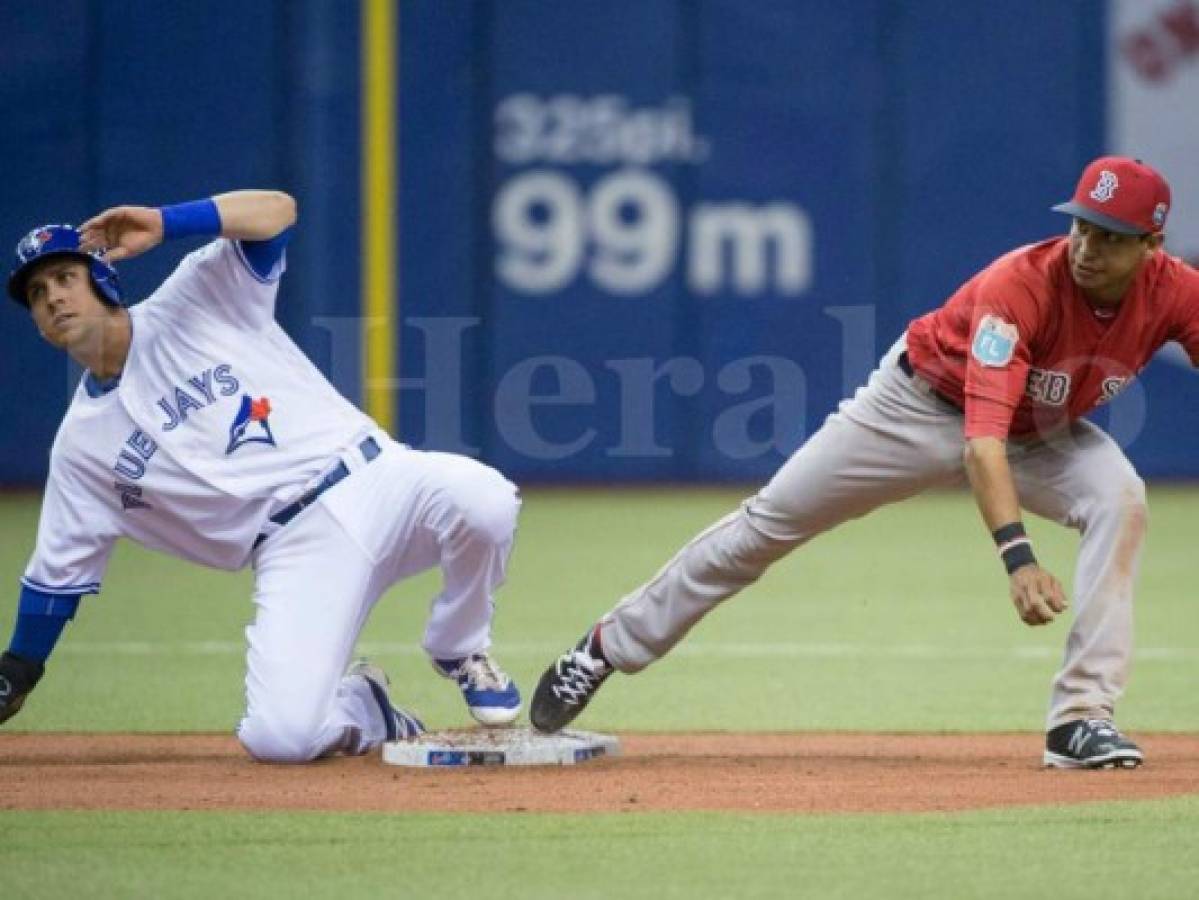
(18, 677)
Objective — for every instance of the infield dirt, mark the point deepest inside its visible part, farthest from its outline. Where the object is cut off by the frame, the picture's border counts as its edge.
(749, 772)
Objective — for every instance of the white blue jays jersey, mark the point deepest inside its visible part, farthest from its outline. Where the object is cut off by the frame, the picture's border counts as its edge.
(218, 420)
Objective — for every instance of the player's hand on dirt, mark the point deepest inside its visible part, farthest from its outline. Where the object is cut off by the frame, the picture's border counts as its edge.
(1036, 594)
(122, 232)
(17, 678)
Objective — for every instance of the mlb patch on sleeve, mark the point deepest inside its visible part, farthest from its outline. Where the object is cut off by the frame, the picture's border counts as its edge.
(994, 342)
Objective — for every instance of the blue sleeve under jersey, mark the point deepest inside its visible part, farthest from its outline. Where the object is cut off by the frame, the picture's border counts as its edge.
(263, 256)
(41, 618)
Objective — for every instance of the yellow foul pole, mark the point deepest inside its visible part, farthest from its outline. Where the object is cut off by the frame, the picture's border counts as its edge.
(378, 166)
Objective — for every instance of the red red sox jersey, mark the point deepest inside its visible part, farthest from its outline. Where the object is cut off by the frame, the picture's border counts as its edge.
(1020, 349)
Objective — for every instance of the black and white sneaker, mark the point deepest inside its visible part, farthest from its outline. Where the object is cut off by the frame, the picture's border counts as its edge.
(1090, 744)
(569, 684)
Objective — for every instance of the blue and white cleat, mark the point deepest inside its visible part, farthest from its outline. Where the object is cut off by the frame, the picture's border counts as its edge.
(400, 724)
(491, 696)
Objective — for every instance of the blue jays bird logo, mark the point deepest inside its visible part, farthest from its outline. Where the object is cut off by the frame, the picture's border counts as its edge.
(251, 425)
(33, 242)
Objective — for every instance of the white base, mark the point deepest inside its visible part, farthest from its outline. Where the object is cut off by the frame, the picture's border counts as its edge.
(500, 747)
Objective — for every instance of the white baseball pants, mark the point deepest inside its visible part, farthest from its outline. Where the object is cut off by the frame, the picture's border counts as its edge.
(892, 440)
(318, 577)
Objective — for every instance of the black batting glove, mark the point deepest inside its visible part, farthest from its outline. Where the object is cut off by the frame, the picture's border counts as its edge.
(18, 676)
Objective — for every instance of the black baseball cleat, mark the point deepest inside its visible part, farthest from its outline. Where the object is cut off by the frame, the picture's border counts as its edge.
(569, 684)
(1090, 744)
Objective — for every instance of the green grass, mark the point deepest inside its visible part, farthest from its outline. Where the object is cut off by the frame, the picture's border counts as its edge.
(1144, 851)
(899, 621)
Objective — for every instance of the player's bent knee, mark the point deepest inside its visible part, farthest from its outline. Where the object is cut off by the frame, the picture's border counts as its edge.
(1137, 492)
(1134, 507)
(277, 742)
(488, 504)
(1127, 496)
(1124, 499)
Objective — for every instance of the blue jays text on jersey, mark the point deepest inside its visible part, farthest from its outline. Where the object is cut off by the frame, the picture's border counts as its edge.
(181, 402)
(135, 454)
(138, 449)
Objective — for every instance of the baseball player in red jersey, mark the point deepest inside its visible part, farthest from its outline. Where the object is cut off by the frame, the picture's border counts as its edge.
(988, 390)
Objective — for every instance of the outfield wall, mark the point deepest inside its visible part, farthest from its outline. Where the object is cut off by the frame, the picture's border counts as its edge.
(636, 240)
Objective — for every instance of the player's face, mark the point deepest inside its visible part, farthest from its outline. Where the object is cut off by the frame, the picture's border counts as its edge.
(1103, 263)
(63, 302)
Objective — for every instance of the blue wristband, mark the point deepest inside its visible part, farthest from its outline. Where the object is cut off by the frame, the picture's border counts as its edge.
(192, 219)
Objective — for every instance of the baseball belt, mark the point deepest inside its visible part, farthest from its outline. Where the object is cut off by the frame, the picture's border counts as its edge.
(906, 365)
(369, 448)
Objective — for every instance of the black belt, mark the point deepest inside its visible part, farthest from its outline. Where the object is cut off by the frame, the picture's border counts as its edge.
(906, 365)
(369, 448)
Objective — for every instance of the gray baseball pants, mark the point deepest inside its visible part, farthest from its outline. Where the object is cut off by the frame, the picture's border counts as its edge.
(892, 440)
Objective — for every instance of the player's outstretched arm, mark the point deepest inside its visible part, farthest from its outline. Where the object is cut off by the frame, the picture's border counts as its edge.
(124, 232)
(255, 215)
(1036, 593)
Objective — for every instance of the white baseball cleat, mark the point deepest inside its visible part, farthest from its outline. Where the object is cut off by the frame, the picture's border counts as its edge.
(400, 725)
(491, 696)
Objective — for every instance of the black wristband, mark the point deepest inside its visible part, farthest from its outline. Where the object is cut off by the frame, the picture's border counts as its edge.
(1006, 533)
(1017, 556)
(1014, 546)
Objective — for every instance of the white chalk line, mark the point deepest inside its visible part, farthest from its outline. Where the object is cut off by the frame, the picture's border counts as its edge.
(774, 650)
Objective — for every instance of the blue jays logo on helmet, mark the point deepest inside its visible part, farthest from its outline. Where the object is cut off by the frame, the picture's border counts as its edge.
(61, 240)
(251, 425)
(31, 245)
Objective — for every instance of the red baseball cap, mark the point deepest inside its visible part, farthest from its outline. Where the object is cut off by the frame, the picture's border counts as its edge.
(1122, 195)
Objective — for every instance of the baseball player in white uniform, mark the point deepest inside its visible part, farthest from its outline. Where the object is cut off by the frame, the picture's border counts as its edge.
(199, 429)
(989, 390)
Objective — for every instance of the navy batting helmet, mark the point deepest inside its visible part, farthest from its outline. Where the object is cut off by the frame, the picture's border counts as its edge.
(61, 240)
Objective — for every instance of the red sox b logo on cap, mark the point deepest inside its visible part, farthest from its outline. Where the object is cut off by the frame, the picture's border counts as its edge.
(1106, 188)
(1120, 194)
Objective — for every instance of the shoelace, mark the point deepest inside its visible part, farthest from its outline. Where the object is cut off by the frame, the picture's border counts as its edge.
(482, 673)
(581, 673)
(1103, 727)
